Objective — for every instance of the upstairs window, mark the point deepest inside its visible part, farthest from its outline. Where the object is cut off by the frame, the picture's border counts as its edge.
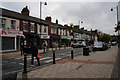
(53, 31)
(13, 24)
(68, 33)
(32, 27)
(2, 23)
(40, 28)
(45, 29)
(25, 27)
(60, 31)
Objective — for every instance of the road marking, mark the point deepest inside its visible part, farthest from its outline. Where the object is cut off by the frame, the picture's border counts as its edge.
(13, 62)
(13, 72)
(52, 60)
(21, 64)
(45, 58)
(19, 58)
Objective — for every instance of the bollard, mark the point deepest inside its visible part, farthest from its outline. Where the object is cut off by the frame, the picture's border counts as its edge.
(72, 53)
(53, 56)
(44, 49)
(59, 47)
(56, 48)
(25, 63)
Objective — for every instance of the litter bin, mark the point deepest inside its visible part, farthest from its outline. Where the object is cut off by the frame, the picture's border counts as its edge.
(85, 51)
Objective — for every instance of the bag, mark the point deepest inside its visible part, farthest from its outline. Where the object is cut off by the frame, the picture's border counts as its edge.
(38, 56)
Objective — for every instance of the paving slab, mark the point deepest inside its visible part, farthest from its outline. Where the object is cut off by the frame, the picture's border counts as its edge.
(97, 65)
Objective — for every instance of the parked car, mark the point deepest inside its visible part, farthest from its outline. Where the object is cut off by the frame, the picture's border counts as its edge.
(79, 44)
(75, 45)
(99, 46)
(114, 43)
(82, 44)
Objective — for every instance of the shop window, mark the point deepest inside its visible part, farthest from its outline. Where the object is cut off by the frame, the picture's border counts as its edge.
(32, 27)
(25, 27)
(2, 23)
(13, 24)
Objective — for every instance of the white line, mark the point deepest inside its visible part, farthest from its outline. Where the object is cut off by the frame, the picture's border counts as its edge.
(12, 72)
(21, 64)
(13, 62)
(19, 58)
(52, 60)
(45, 58)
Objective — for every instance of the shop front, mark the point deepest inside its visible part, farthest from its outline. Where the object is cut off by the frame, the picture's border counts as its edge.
(10, 39)
(45, 39)
(63, 40)
(69, 38)
(54, 40)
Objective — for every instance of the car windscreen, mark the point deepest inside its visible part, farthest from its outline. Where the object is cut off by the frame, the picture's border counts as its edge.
(98, 44)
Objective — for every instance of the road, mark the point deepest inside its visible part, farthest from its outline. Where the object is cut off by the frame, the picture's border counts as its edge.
(12, 65)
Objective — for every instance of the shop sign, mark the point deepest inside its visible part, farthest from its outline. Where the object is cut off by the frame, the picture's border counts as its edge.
(63, 37)
(45, 37)
(7, 32)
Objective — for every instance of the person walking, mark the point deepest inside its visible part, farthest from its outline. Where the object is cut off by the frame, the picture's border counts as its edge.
(34, 51)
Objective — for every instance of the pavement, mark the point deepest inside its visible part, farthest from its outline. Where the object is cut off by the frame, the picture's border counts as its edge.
(97, 65)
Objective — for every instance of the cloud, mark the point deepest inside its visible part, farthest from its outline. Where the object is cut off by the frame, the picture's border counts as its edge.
(95, 15)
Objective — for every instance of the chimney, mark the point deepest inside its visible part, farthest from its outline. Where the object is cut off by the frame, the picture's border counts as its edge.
(56, 21)
(48, 18)
(82, 28)
(25, 11)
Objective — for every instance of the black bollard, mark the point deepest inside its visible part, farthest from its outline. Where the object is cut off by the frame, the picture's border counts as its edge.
(53, 56)
(25, 63)
(44, 49)
(72, 53)
(59, 47)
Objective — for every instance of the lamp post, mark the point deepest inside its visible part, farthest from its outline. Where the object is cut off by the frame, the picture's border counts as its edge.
(117, 23)
(80, 22)
(45, 3)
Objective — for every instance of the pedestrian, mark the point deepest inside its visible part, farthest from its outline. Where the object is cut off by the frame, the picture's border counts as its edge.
(34, 51)
(44, 46)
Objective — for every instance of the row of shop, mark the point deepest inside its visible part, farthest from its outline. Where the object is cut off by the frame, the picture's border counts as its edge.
(49, 40)
(11, 39)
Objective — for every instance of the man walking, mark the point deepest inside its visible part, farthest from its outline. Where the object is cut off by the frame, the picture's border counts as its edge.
(34, 52)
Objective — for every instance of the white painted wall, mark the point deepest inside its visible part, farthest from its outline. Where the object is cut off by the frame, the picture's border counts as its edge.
(42, 31)
(8, 23)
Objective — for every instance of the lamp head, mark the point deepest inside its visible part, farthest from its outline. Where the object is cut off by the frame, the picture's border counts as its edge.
(111, 9)
(45, 3)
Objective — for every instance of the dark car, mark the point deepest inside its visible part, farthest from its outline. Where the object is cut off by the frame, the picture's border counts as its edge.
(98, 46)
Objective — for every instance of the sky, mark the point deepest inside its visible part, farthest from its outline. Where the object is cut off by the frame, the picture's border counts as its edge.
(94, 15)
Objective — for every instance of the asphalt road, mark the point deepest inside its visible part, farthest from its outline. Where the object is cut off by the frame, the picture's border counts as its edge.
(10, 66)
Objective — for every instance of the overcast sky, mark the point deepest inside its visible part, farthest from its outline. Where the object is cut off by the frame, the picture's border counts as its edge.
(94, 15)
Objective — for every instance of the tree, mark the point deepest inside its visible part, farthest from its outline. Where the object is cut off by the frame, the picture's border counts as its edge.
(105, 38)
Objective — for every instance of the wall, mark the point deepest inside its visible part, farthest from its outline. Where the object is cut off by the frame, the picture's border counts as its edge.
(42, 31)
(8, 23)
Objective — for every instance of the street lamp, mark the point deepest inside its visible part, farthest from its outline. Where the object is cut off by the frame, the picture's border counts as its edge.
(117, 23)
(80, 22)
(45, 3)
